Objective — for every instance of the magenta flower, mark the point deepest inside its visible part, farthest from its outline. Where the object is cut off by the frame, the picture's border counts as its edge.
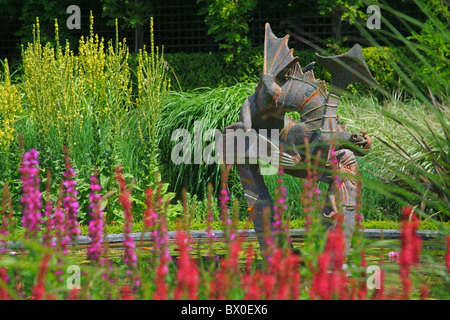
(59, 225)
(49, 224)
(394, 256)
(95, 250)
(5, 279)
(280, 205)
(223, 199)
(70, 202)
(150, 215)
(125, 201)
(31, 199)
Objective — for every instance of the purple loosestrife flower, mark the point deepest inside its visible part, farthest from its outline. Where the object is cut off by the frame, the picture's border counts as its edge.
(59, 224)
(394, 256)
(5, 279)
(49, 225)
(280, 205)
(95, 250)
(280, 229)
(124, 198)
(209, 221)
(162, 247)
(150, 215)
(31, 199)
(70, 202)
(224, 198)
(47, 238)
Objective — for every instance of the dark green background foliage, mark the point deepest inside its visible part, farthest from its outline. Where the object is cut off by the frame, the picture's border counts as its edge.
(190, 71)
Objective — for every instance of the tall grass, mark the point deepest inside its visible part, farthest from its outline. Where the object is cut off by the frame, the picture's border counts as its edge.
(198, 111)
(420, 172)
(396, 151)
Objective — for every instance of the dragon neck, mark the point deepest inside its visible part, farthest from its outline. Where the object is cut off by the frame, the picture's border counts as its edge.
(322, 116)
(329, 122)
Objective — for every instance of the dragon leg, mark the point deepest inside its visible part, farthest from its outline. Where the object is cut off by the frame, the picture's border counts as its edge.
(257, 196)
(342, 195)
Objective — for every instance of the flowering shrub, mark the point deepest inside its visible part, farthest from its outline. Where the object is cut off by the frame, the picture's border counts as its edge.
(172, 269)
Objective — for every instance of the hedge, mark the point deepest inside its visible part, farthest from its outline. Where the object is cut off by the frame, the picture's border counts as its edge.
(193, 70)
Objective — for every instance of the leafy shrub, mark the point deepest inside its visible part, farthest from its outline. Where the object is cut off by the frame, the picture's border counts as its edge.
(433, 42)
(189, 71)
(227, 21)
(196, 70)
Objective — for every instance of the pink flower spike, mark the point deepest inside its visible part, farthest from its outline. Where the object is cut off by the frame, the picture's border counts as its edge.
(32, 196)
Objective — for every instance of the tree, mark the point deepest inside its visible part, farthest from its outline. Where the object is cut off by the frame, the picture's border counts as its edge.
(133, 13)
(343, 10)
(27, 12)
(228, 23)
(433, 42)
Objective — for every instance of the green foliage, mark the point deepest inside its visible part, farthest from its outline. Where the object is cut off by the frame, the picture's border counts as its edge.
(204, 109)
(434, 39)
(378, 62)
(348, 10)
(227, 21)
(189, 71)
(90, 103)
(130, 12)
(415, 65)
(197, 70)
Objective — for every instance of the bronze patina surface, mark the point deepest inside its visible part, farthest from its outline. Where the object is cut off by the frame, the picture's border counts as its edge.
(285, 87)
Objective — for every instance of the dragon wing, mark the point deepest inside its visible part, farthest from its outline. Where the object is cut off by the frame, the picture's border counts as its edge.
(278, 58)
(347, 68)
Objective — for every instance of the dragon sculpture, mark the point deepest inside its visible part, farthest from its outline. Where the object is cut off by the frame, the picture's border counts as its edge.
(285, 87)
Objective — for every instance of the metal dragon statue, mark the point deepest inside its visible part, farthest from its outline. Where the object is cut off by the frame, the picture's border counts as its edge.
(285, 87)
